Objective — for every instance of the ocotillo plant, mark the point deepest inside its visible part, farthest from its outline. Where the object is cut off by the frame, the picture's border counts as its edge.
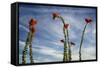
(71, 44)
(88, 21)
(31, 32)
(69, 47)
(65, 31)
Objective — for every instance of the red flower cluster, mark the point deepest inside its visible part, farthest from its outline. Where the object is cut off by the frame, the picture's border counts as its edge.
(62, 41)
(32, 23)
(55, 15)
(32, 29)
(66, 26)
(72, 43)
(88, 20)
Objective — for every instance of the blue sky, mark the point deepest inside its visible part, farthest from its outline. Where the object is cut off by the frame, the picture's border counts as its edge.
(46, 43)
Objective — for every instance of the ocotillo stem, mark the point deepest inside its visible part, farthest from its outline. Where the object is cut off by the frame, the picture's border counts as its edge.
(65, 58)
(25, 50)
(69, 50)
(80, 57)
(65, 47)
(30, 46)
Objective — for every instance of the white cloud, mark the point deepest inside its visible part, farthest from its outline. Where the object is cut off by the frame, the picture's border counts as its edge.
(45, 51)
(49, 51)
(88, 53)
(94, 31)
(26, 29)
(21, 44)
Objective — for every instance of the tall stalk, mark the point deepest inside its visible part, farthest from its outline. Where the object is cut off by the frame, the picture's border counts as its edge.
(66, 44)
(25, 49)
(69, 46)
(28, 43)
(82, 38)
(30, 46)
(29, 39)
(65, 56)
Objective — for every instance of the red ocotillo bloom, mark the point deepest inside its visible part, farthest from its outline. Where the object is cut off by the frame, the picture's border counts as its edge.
(55, 15)
(32, 22)
(62, 41)
(66, 26)
(29, 39)
(72, 43)
(88, 20)
(32, 29)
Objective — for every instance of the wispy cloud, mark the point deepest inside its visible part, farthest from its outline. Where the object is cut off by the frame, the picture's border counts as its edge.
(46, 51)
(88, 53)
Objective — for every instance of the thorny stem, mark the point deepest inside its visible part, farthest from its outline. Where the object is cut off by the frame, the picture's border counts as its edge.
(25, 50)
(65, 47)
(68, 56)
(30, 46)
(69, 50)
(28, 42)
(82, 38)
(65, 57)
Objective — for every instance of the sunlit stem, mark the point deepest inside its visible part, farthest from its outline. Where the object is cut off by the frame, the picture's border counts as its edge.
(30, 46)
(28, 43)
(82, 38)
(65, 56)
(25, 49)
(69, 46)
